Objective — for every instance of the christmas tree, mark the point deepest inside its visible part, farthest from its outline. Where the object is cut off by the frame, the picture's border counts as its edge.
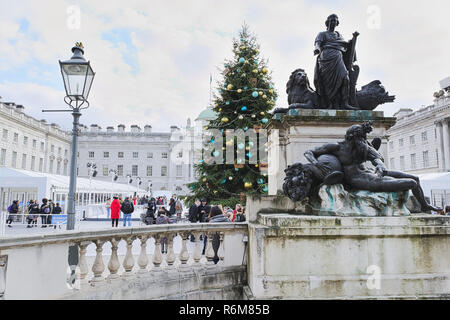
(233, 162)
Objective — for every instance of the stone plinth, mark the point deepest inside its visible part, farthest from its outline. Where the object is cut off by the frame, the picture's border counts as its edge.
(336, 201)
(291, 134)
(315, 257)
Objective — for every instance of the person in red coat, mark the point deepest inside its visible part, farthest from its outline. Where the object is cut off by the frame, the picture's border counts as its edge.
(115, 211)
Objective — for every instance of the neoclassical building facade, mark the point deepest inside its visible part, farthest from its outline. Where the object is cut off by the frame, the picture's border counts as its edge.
(30, 144)
(419, 142)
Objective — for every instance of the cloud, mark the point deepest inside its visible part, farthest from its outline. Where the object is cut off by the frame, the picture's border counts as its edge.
(153, 59)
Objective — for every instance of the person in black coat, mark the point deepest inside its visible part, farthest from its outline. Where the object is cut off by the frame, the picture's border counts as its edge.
(203, 211)
(172, 207)
(12, 212)
(193, 214)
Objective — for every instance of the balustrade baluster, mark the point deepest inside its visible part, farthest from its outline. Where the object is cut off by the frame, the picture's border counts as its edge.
(170, 256)
(209, 250)
(221, 251)
(128, 261)
(82, 262)
(98, 268)
(114, 263)
(143, 259)
(197, 249)
(184, 254)
(157, 255)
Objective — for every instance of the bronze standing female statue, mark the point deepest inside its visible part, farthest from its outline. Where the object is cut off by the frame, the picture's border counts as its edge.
(331, 77)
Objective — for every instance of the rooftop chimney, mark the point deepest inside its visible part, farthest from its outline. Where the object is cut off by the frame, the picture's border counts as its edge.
(173, 128)
(402, 112)
(109, 129)
(121, 128)
(135, 129)
(148, 128)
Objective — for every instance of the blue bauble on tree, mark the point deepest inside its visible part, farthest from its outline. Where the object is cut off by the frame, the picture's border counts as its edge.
(255, 94)
(241, 60)
(244, 108)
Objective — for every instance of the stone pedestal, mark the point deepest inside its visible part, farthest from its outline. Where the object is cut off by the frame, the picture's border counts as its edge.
(334, 200)
(316, 257)
(291, 134)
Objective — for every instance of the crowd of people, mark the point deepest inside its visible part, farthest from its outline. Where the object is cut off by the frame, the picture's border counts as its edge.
(33, 211)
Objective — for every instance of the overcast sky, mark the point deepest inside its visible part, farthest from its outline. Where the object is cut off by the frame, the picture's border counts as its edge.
(153, 58)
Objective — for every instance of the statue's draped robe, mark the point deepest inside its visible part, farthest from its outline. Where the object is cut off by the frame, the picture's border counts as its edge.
(330, 69)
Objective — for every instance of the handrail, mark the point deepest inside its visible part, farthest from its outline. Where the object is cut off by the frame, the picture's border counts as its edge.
(89, 235)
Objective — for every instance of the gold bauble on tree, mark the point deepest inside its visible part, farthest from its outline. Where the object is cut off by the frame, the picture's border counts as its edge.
(224, 119)
(264, 70)
(248, 185)
(230, 86)
(239, 90)
(255, 70)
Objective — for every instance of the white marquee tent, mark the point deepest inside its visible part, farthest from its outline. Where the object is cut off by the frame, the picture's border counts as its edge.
(24, 185)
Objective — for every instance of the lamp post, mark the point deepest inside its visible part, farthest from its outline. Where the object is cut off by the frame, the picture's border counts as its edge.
(114, 177)
(77, 75)
(138, 183)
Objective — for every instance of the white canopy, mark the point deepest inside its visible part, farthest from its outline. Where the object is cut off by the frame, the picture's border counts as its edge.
(434, 181)
(23, 179)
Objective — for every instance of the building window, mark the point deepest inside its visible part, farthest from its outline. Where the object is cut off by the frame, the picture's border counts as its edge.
(413, 161)
(424, 136)
(5, 134)
(33, 160)
(59, 150)
(134, 170)
(34, 144)
(41, 164)
(58, 167)
(180, 154)
(179, 170)
(105, 154)
(2, 157)
(120, 154)
(91, 154)
(24, 161)
(50, 166)
(16, 137)
(14, 159)
(65, 168)
(52, 149)
(437, 158)
(400, 142)
(149, 171)
(42, 146)
(25, 141)
(391, 145)
(402, 163)
(163, 171)
(426, 161)
(412, 140)
(65, 153)
(105, 170)
(120, 170)
(150, 155)
(135, 154)
(164, 155)
(392, 164)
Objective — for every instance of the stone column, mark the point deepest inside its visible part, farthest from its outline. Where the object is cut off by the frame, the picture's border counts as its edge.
(170, 257)
(114, 263)
(157, 255)
(197, 250)
(446, 145)
(440, 144)
(277, 160)
(221, 251)
(184, 254)
(209, 250)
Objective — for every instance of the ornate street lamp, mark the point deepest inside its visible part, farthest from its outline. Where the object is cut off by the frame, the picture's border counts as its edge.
(78, 76)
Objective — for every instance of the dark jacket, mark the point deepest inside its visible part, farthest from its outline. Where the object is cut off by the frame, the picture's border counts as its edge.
(203, 217)
(193, 213)
(163, 219)
(57, 210)
(216, 238)
(14, 208)
(127, 207)
(172, 207)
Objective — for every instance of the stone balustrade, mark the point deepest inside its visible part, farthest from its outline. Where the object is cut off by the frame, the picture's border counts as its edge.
(111, 269)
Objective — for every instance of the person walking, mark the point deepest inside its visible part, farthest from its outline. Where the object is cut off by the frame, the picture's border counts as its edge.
(127, 208)
(216, 216)
(108, 208)
(163, 219)
(115, 211)
(178, 209)
(193, 215)
(12, 210)
(45, 211)
(57, 210)
(51, 205)
(33, 213)
(172, 207)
